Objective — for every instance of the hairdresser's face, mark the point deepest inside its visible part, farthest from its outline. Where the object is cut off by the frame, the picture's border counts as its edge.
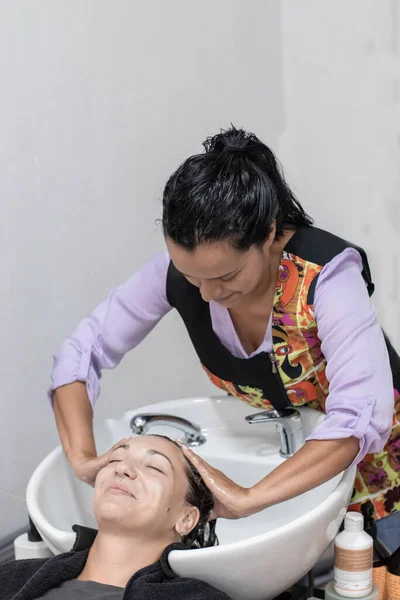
(142, 490)
(221, 272)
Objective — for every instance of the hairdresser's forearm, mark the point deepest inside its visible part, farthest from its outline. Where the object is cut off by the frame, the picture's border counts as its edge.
(74, 419)
(316, 462)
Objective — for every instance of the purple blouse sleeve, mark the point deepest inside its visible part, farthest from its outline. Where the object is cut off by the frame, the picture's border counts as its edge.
(116, 326)
(360, 400)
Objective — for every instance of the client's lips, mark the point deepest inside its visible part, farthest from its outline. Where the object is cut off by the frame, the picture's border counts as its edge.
(119, 489)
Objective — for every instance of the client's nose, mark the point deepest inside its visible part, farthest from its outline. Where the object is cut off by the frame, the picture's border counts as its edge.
(124, 469)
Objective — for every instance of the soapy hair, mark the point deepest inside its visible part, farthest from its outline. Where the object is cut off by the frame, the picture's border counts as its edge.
(233, 191)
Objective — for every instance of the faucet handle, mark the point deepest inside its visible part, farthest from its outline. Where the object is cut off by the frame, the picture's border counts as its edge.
(288, 424)
(275, 416)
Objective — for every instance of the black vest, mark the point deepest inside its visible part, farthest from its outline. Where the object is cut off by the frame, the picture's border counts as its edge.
(309, 243)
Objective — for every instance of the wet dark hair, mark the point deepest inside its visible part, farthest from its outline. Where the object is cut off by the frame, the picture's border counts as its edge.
(231, 192)
(198, 495)
(203, 535)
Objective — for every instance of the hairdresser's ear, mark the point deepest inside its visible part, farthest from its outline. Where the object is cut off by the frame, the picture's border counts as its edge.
(271, 235)
(187, 521)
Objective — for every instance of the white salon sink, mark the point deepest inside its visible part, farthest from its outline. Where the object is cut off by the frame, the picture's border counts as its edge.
(258, 557)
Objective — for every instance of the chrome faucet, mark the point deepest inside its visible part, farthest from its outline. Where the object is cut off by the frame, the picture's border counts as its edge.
(140, 425)
(288, 424)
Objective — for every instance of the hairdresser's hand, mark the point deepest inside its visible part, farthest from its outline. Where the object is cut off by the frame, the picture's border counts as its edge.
(231, 499)
(87, 467)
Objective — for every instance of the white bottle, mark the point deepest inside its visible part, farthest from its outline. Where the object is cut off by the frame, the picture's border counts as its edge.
(353, 558)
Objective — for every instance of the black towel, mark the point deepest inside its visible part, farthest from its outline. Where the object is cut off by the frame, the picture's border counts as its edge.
(29, 579)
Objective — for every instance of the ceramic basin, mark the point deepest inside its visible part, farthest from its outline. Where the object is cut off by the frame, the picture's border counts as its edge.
(258, 557)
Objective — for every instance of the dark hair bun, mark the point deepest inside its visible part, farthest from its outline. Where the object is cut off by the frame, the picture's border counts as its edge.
(232, 192)
(230, 140)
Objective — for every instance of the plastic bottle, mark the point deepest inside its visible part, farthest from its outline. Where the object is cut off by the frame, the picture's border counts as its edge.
(381, 553)
(330, 593)
(353, 558)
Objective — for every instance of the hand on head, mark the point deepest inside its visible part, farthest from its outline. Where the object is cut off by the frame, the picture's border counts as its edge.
(86, 468)
(230, 499)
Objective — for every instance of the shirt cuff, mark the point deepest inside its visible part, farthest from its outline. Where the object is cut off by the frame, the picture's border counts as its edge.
(354, 420)
(70, 372)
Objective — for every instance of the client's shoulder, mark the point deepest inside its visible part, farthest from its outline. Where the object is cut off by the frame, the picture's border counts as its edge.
(14, 574)
(39, 574)
(24, 566)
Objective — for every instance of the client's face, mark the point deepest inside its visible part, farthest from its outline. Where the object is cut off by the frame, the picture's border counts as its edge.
(143, 490)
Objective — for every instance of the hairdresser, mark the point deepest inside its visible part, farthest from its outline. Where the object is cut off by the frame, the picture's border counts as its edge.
(279, 313)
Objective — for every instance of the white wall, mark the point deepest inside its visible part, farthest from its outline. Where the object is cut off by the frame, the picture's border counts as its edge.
(99, 102)
(341, 144)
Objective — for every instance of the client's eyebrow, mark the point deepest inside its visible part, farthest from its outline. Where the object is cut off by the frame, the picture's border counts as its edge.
(152, 452)
(123, 446)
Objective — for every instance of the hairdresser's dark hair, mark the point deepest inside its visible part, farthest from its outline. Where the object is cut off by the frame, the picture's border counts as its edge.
(198, 495)
(231, 192)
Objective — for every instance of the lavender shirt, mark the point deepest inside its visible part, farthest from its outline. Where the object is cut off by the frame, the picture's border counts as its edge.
(360, 401)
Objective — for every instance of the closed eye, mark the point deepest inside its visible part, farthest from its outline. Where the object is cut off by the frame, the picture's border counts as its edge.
(111, 461)
(155, 469)
(229, 278)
